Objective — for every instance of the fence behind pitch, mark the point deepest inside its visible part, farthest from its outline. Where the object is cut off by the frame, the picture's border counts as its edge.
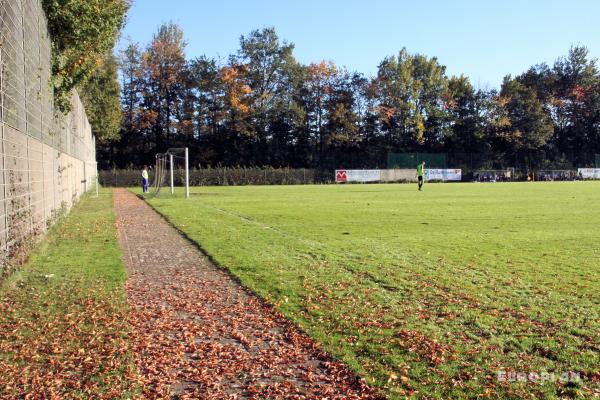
(222, 176)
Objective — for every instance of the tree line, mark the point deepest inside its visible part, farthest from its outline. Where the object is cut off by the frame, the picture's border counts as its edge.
(261, 107)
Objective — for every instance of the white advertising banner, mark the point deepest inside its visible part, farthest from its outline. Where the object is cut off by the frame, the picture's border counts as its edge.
(443, 174)
(589, 173)
(357, 175)
(390, 175)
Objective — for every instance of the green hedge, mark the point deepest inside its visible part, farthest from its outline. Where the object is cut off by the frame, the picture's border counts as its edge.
(223, 177)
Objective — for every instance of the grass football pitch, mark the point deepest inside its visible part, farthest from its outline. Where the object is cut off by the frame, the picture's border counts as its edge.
(458, 291)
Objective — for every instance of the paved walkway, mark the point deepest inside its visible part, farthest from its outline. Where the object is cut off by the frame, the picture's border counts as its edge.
(198, 334)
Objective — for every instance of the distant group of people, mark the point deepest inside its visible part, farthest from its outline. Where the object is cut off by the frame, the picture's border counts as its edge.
(557, 176)
(497, 176)
(493, 176)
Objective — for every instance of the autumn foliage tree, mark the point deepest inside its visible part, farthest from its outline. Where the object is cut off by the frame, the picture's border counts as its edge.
(318, 86)
(163, 63)
(237, 97)
(260, 106)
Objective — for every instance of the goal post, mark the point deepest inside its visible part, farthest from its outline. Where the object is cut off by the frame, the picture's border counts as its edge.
(187, 173)
(166, 165)
(171, 167)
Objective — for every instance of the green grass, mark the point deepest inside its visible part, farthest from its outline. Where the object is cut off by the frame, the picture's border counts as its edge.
(63, 315)
(425, 294)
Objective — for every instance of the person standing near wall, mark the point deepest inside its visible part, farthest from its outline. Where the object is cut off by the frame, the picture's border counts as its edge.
(145, 179)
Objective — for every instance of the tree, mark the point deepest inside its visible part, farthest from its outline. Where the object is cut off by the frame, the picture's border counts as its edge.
(318, 87)
(163, 63)
(205, 87)
(132, 78)
(466, 110)
(524, 126)
(261, 107)
(569, 93)
(238, 98)
(268, 69)
(100, 94)
(342, 130)
(132, 143)
(135, 141)
(82, 33)
(575, 105)
(410, 88)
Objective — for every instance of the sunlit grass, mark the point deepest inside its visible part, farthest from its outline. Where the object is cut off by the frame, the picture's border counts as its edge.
(429, 293)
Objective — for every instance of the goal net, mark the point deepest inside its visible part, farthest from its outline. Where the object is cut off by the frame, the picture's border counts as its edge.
(494, 175)
(170, 170)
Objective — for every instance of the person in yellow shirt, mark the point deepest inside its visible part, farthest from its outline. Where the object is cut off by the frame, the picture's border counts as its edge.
(145, 178)
(420, 168)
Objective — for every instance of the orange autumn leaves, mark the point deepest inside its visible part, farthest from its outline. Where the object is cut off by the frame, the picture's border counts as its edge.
(83, 353)
(320, 77)
(237, 92)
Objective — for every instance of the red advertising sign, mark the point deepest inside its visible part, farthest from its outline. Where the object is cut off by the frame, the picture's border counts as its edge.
(341, 175)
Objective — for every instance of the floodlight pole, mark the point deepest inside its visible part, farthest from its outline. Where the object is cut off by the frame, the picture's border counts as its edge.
(171, 164)
(187, 174)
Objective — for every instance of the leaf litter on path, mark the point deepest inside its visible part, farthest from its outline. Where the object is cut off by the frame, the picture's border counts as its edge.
(197, 333)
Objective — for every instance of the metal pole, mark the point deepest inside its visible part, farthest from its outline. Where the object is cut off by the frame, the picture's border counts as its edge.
(171, 163)
(97, 183)
(187, 174)
(157, 173)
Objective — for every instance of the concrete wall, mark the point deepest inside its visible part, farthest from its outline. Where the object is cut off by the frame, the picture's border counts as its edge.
(399, 175)
(46, 160)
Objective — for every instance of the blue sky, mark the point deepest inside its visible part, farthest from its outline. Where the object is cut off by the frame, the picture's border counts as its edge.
(483, 39)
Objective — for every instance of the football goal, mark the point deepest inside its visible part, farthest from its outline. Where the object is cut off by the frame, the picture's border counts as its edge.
(167, 164)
